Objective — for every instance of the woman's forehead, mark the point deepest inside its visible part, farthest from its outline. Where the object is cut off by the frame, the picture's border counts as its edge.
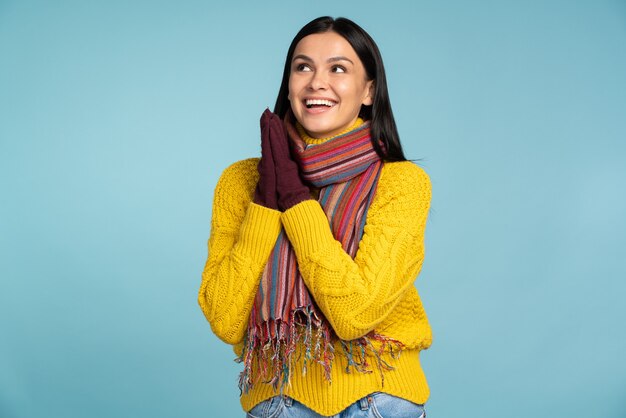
(325, 45)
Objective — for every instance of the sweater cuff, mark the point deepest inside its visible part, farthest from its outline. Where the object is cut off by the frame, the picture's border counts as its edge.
(307, 227)
(259, 232)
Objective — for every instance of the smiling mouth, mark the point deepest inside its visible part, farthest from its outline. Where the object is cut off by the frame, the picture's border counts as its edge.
(318, 103)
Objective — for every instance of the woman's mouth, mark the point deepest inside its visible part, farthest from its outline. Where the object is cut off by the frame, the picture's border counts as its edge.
(319, 103)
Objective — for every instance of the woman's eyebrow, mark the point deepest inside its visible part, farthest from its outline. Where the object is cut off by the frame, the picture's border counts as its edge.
(302, 57)
(335, 59)
(329, 60)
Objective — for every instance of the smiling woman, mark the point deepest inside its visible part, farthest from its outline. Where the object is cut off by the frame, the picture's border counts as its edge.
(328, 85)
(315, 246)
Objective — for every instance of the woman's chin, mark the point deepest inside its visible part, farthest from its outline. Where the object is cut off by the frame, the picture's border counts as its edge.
(315, 129)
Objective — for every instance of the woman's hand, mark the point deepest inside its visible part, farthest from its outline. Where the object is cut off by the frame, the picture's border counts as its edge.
(265, 193)
(291, 190)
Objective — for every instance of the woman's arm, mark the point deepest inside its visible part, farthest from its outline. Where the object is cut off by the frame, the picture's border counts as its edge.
(242, 237)
(356, 295)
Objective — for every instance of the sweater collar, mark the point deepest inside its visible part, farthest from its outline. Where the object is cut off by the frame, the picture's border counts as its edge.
(309, 140)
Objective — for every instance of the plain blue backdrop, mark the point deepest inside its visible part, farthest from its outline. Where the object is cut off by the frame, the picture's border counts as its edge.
(117, 117)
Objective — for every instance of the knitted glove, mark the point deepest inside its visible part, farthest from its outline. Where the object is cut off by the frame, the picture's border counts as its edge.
(291, 189)
(265, 193)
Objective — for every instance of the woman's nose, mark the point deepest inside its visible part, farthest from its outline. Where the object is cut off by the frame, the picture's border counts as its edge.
(318, 81)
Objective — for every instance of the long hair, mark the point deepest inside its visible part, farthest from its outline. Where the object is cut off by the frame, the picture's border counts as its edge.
(382, 125)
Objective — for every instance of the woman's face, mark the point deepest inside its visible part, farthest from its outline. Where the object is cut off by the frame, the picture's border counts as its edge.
(327, 84)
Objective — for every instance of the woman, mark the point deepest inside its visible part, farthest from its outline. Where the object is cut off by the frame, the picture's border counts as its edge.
(314, 248)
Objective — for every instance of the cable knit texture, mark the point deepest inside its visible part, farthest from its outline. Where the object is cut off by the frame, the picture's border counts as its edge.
(372, 291)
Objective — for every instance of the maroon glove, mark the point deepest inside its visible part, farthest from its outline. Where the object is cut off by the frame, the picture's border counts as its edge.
(291, 189)
(265, 193)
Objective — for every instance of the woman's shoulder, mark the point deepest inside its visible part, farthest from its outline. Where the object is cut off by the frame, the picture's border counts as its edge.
(242, 167)
(241, 172)
(403, 192)
(404, 176)
(237, 182)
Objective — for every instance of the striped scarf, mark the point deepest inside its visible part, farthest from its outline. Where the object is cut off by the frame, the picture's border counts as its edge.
(284, 316)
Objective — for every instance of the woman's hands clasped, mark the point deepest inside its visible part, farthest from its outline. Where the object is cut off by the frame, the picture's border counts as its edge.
(280, 186)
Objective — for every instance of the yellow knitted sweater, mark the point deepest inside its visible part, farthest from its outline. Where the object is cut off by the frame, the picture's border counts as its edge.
(372, 291)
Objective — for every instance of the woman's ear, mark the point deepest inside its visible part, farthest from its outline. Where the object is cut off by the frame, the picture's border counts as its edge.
(369, 99)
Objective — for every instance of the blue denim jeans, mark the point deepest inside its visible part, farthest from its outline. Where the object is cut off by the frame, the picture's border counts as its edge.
(376, 405)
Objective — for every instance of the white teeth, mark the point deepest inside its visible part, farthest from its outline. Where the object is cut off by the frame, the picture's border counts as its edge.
(311, 102)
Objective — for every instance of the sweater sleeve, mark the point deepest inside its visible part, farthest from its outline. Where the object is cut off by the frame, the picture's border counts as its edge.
(242, 237)
(357, 295)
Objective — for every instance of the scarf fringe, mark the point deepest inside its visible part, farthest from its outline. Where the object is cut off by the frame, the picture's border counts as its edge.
(269, 351)
(358, 351)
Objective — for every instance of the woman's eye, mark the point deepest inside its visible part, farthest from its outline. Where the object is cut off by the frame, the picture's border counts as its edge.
(303, 67)
(338, 69)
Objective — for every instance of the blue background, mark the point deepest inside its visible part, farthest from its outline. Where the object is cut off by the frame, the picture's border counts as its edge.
(116, 119)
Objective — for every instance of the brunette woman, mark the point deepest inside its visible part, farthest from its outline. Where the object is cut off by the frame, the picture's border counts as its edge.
(315, 246)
